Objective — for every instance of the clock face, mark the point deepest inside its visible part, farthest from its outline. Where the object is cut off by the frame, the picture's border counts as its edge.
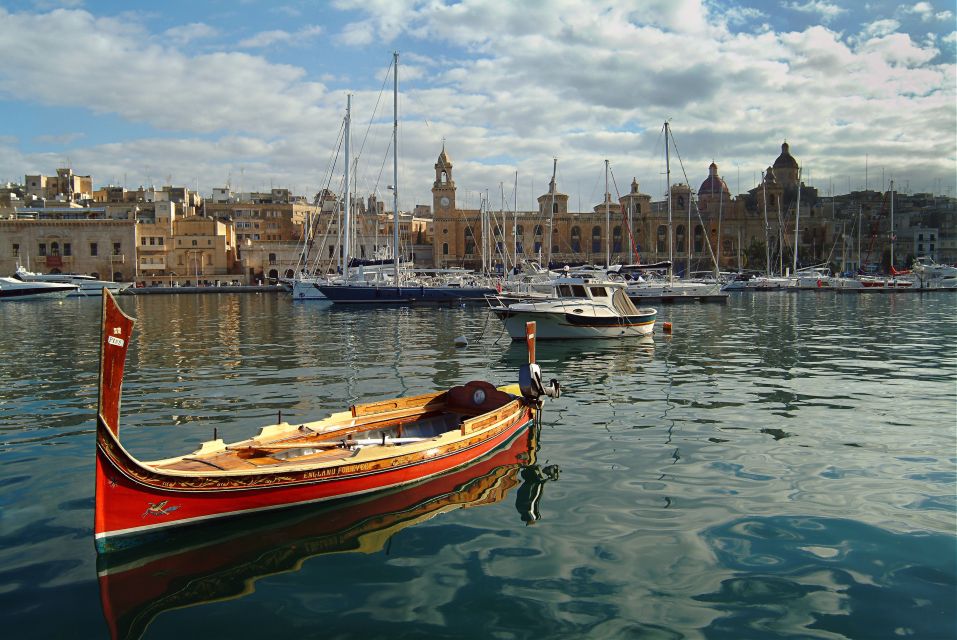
(444, 201)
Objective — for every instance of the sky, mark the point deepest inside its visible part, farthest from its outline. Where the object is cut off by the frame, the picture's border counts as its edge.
(252, 94)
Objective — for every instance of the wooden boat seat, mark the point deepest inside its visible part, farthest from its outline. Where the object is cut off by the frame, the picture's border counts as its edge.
(463, 398)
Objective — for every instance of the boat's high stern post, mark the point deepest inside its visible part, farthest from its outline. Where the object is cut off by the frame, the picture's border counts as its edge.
(117, 328)
(530, 375)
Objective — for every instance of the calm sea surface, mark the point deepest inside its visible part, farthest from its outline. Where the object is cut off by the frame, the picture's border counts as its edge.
(783, 466)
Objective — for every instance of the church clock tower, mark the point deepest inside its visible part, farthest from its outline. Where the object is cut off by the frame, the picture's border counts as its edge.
(443, 189)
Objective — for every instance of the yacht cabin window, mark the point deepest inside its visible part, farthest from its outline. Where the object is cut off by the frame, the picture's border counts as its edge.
(598, 292)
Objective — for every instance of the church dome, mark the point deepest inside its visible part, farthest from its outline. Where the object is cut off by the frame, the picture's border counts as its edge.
(713, 184)
(785, 160)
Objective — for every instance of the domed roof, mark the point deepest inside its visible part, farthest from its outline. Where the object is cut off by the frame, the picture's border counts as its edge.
(785, 160)
(713, 184)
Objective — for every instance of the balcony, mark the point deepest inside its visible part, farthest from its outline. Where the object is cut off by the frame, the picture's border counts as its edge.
(153, 264)
(118, 258)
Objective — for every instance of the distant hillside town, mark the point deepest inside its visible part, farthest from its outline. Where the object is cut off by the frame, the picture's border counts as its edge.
(173, 235)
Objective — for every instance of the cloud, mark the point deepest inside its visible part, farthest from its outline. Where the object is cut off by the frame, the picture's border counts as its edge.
(509, 86)
(148, 80)
(826, 10)
(267, 38)
(184, 34)
(925, 11)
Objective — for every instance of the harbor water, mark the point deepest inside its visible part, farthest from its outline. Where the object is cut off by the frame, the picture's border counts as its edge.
(781, 466)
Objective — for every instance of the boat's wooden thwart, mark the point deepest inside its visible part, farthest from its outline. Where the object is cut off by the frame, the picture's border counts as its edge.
(371, 447)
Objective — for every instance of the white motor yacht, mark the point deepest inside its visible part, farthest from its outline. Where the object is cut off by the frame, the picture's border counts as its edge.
(84, 285)
(16, 289)
(578, 308)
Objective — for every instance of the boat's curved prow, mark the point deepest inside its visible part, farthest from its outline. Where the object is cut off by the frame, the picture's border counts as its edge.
(114, 341)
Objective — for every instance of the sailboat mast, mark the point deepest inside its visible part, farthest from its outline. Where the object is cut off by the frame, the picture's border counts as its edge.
(689, 235)
(893, 235)
(395, 164)
(551, 215)
(671, 252)
(515, 224)
(797, 221)
(347, 202)
(607, 219)
(767, 229)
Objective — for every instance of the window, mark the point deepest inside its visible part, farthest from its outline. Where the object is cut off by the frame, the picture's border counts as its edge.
(681, 202)
(332, 250)
(194, 243)
(616, 240)
(159, 241)
(680, 238)
(662, 245)
(637, 207)
(67, 249)
(576, 239)
(554, 207)
(93, 249)
(117, 249)
(445, 248)
(143, 241)
(272, 258)
(698, 239)
(596, 239)
(16, 250)
(42, 249)
(469, 242)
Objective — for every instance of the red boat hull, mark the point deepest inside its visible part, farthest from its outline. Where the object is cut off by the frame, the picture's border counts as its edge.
(222, 560)
(131, 500)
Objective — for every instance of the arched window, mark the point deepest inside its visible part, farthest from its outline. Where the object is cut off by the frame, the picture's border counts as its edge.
(680, 238)
(596, 239)
(539, 232)
(616, 240)
(698, 239)
(576, 239)
(498, 231)
(289, 273)
(54, 248)
(519, 233)
(681, 202)
(469, 242)
(662, 245)
(637, 207)
(273, 275)
(554, 207)
(272, 258)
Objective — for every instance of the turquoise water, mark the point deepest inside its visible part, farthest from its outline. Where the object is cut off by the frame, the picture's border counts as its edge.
(783, 466)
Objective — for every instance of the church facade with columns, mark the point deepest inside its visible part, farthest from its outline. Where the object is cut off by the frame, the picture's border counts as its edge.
(707, 225)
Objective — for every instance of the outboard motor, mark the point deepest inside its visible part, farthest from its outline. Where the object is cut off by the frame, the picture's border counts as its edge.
(530, 375)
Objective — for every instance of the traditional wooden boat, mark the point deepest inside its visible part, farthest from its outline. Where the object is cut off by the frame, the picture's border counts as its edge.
(222, 560)
(372, 447)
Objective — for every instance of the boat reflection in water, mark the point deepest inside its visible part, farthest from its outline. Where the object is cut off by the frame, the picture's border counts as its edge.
(222, 560)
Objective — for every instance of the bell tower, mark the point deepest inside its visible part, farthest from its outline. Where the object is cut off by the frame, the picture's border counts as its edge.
(443, 189)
